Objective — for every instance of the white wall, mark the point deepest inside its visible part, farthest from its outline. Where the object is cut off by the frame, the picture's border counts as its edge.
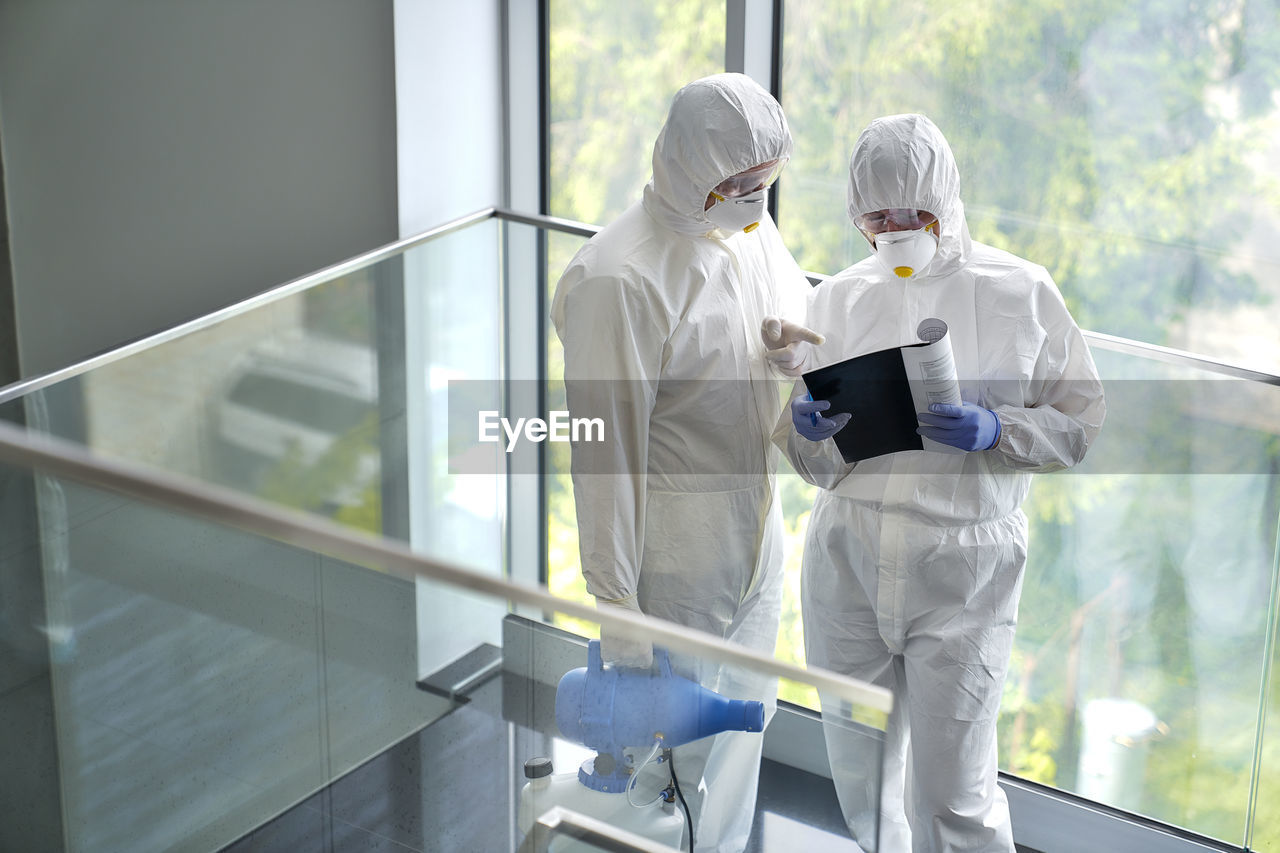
(163, 160)
(449, 149)
(448, 109)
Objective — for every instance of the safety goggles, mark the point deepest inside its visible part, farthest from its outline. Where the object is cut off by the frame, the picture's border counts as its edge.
(894, 219)
(745, 183)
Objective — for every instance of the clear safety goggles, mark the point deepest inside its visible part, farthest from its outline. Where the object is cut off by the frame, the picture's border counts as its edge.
(745, 183)
(894, 219)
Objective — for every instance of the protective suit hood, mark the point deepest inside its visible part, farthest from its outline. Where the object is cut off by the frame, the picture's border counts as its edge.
(717, 126)
(904, 161)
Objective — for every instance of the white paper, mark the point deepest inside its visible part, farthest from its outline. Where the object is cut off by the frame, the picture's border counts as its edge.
(931, 372)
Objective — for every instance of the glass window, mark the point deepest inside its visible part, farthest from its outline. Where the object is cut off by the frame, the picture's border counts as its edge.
(1131, 148)
(614, 68)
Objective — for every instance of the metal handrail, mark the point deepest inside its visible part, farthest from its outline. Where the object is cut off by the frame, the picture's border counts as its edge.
(25, 386)
(1155, 352)
(20, 388)
(225, 506)
(555, 223)
(1181, 358)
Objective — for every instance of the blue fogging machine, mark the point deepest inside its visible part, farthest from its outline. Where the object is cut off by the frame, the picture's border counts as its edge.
(614, 708)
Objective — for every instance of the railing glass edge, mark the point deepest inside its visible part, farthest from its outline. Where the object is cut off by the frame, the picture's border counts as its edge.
(25, 386)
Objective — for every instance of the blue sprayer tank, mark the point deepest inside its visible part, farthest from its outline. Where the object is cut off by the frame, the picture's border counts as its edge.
(616, 708)
(609, 709)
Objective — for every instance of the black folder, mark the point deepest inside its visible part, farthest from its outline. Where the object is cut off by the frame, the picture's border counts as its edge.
(875, 390)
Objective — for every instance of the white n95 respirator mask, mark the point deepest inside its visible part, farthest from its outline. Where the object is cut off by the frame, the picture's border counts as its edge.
(906, 253)
(738, 214)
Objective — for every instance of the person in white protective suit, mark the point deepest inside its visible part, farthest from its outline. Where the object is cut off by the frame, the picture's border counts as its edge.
(913, 561)
(660, 316)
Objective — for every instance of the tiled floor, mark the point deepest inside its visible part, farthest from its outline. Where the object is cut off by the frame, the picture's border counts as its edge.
(434, 792)
(431, 792)
(796, 810)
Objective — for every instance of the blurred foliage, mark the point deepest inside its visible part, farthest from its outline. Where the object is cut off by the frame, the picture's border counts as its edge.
(336, 482)
(1095, 138)
(341, 480)
(1125, 147)
(615, 64)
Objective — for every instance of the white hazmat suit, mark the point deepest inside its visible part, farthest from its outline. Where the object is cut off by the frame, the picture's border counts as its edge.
(913, 561)
(660, 317)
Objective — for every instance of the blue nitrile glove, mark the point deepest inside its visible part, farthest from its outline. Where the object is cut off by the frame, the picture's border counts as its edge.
(967, 427)
(813, 426)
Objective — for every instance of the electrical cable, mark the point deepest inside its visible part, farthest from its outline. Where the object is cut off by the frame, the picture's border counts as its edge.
(688, 816)
(631, 783)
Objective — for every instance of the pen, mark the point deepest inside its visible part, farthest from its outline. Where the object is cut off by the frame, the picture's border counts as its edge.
(813, 416)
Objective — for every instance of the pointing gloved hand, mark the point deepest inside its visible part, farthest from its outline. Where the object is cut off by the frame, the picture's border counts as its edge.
(623, 651)
(787, 344)
(813, 426)
(968, 427)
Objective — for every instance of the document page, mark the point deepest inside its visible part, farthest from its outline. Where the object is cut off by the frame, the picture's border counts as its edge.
(884, 390)
(931, 373)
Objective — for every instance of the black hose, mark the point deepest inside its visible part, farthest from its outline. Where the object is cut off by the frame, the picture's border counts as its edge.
(688, 816)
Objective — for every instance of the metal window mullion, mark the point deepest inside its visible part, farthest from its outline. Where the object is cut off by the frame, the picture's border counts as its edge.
(524, 395)
(525, 41)
(753, 46)
(749, 40)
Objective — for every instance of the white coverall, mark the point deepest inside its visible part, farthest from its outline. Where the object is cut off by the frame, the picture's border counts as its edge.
(660, 317)
(913, 561)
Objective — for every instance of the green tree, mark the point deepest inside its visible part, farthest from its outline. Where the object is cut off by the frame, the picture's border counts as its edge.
(1095, 138)
(614, 68)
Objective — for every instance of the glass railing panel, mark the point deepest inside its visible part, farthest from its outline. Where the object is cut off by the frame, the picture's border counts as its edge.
(29, 785)
(454, 509)
(331, 399)
(193, 689)
(203, 679)
(1264, 830)
(1141, 692)
(1139, 654)
(328, 398)
(280, 400)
